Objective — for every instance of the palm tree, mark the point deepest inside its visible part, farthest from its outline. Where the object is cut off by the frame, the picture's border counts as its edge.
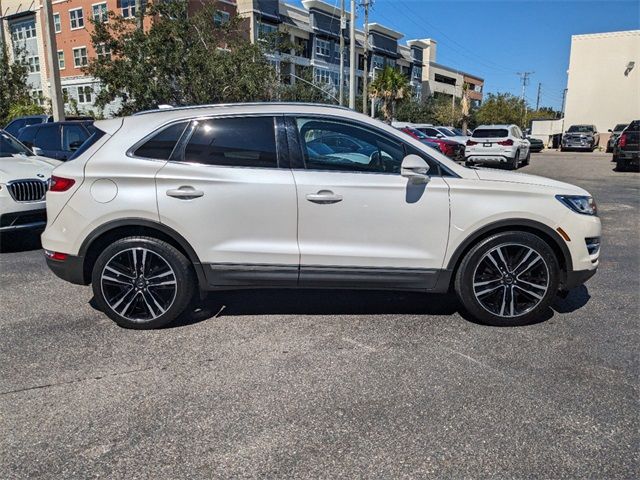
(389, 86)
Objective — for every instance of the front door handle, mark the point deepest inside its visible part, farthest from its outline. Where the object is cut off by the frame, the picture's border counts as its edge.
(324, 197)
(185, 193)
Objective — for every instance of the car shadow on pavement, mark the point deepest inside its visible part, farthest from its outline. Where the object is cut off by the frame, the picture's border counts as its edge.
(574, 300)
(318, 302)
(19, 242)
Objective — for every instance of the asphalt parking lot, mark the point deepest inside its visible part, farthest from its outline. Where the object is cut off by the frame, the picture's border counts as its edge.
(329, 384)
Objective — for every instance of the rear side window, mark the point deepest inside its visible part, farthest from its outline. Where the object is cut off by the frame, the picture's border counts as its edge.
(162, 144)
(490, 133)
(233, 142)
(48, 137)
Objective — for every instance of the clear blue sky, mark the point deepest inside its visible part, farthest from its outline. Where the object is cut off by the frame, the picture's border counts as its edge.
(496, 39)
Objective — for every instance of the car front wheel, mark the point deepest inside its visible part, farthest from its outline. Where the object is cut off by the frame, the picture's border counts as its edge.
(142, 282)
(508, 279)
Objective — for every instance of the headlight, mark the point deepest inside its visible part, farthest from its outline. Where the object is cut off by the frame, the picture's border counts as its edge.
(579, 203)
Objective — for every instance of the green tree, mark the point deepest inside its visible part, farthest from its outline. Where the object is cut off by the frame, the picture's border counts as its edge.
(14, 90)
(389, 86)
(304, 88)
(500, 108)
(416, 111)
(181, 59)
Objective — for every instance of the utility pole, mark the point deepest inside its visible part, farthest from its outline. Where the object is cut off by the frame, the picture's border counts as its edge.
(51, 51)
(365, 78)
(564, 99)
(538, 98)
(352, 57)
(343, 26)
(524, 78)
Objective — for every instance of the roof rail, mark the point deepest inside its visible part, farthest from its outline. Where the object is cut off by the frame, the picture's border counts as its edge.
(168, 108)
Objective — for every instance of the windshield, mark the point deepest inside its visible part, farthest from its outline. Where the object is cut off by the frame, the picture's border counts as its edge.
(620, 127)
(580, 129)
(9, 146)
(416, 133)
(490, 133)
(95, 136)
(446, 132)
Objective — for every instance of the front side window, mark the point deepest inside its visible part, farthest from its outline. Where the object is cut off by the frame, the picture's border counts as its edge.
(335, 145)
(76, 18)
(80, 58)
(233, 142)
(162, 143)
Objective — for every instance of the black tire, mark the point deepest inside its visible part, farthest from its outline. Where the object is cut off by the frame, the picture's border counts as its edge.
(621, 166)
(513, 163)
(527, 160)
(474, 277)
(563, 149)
(150, 301)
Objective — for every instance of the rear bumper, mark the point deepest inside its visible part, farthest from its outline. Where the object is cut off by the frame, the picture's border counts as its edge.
(71, 269)
(488, 159)
(631, 156)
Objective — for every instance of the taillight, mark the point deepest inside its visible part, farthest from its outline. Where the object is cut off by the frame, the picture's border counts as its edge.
(56, 255)
(471, 142)
(60, 184)
(622, 141)
(506, 143)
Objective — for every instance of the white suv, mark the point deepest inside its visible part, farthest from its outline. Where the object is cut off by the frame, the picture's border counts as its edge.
(167, 202)
(498, 144)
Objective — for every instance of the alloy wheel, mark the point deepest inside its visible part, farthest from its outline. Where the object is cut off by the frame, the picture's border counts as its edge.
(138, 284)
(510, 280)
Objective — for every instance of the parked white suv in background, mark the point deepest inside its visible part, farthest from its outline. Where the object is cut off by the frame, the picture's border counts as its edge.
(498, 144)
(166, 202)
(23, 185)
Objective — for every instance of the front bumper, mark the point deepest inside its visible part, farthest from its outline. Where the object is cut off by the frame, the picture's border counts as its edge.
(25, 220)
(71, 269)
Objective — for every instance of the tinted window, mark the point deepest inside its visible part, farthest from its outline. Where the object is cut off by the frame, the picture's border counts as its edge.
(620, 127)
(236, 142)
(162, 144)
(28, 135)
(581, 129)
(9, 146)
(95, 136)
(490, 133)
(48, 137)
(432, 132)
(14, 127)
(372, 152)
(73, 136)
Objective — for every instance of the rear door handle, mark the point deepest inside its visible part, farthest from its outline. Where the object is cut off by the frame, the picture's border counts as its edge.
(324, 197)
(185, 193)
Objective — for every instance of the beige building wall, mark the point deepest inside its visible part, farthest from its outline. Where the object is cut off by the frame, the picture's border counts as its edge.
(601, 89)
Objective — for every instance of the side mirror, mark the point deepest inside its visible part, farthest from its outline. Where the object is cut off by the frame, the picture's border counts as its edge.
(609, 130)
(415, 168)
(439, 135)
(37, 150)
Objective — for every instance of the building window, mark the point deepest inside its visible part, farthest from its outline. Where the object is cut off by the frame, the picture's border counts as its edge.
(57, 23)
(266, 29)
(61, 64)
(128, 8)
(84, 94)
(444, 79)
(103, 52)
(377, 61)
(37, 97)
(323, 47)
(23, 30)
(80, 57)
(99, 12)
(417, 73)
(322, 75)
(65, 95)
(76, 18)
(34, 64)
(302, 47)
(221, 17)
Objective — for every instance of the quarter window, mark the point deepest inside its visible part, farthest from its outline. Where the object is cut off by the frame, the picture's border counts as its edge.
(234, 142)
(334, 145)
(162, 144)
(76, 18)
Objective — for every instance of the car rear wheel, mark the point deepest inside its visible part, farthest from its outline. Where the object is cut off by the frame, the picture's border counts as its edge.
(512, 164)
(142, 282)
(508, 279)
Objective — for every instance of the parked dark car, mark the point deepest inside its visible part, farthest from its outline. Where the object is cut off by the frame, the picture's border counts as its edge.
(15, 125)
(536, 145)
(580, 137)
(615, 133)
(626, 151)
(57, 140)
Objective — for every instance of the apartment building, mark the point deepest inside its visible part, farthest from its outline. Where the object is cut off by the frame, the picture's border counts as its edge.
(313, 28)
